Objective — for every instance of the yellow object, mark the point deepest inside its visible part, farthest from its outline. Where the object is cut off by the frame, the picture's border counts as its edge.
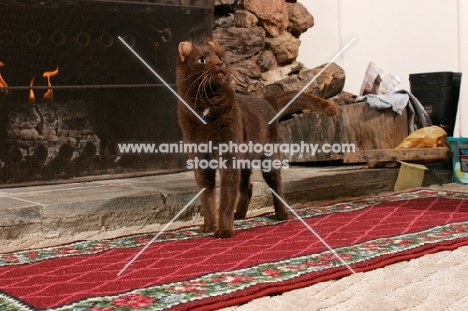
(410, 176)
(426, 137)
(458, 172)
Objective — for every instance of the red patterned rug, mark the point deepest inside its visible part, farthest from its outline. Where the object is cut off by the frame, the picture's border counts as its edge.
(185, 269)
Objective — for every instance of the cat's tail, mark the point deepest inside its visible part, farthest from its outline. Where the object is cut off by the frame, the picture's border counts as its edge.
(305, 101)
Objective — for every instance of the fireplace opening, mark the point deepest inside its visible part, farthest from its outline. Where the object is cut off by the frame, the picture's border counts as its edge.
(70, 91)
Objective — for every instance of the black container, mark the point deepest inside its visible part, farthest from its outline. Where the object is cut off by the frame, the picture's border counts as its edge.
(438, 92)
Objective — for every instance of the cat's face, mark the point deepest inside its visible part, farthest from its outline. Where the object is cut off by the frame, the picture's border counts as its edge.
(203, 68)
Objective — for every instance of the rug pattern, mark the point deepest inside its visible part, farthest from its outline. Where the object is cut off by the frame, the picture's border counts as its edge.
(255, 279)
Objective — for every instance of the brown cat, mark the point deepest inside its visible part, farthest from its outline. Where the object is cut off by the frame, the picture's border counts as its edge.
(204, 82)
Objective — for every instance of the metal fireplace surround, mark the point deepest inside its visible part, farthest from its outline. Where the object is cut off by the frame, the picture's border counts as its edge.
(70, 91)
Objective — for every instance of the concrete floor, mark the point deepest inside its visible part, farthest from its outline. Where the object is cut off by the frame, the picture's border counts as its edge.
(72, 208)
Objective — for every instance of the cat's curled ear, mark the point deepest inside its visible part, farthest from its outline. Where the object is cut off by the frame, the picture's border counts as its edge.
(185, 48)
(212, 43)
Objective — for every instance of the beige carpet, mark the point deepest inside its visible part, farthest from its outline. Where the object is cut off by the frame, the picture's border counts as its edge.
(432, 282)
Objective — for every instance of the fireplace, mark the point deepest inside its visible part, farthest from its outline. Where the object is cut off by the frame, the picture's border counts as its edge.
(70, 91)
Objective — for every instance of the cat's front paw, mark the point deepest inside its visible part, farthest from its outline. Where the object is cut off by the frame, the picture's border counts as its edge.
(282, 215)
(239, 215)
(207, 229)
(224, 233)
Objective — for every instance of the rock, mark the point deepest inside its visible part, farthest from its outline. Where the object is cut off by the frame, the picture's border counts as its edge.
(266, 60)
(224, 2)
(196, 3)
(247, 77)
(272, 28)
(327, 85)
(225, 7)
(273, 14)
(299, 19)
(285, 47)
(245, 19)
(240, 43)
(225, 21)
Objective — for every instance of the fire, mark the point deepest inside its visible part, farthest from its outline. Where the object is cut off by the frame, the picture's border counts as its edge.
(32, 100)
(2, 82)
(48, 75)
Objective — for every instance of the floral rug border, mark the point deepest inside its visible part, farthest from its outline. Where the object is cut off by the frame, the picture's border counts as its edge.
(170, 295)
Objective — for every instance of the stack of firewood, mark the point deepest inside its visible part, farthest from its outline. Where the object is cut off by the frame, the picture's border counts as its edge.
(262, 42)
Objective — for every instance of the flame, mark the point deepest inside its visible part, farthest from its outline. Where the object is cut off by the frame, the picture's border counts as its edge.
(2, 82)
(32, 99)
(48, 75)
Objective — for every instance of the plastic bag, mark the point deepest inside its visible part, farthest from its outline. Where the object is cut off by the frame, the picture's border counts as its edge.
(426, 137)
(378, 82)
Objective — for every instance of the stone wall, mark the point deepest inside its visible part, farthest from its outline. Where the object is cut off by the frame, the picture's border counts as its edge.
(262, 39)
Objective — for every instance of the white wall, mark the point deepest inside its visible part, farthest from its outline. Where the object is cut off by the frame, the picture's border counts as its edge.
(400, 36)
(461, 127)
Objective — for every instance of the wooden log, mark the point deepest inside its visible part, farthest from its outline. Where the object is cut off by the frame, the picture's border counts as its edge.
(240, 43)
(420, 155)
(356, 125)
(327, 85)
(243, 45)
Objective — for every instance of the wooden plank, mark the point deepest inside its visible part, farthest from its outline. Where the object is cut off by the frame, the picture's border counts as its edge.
(365, 127)
(421, 155)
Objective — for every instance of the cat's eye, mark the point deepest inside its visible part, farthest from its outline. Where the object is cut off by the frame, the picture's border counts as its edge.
(202, 60)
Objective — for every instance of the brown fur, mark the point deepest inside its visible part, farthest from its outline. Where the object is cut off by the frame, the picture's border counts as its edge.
(305, 101)
(204, 82)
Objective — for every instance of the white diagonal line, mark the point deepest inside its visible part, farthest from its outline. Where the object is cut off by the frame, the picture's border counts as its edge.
(313, 79)
(160, 232)
(315, 233)
(161, 79)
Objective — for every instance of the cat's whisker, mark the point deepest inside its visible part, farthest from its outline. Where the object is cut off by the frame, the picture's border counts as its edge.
(188, 77)
(211, 89)
(203, 88)
(201, 91)
(197, 82)
(206, 82)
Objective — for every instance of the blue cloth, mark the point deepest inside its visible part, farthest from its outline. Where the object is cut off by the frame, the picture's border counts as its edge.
(398, 101)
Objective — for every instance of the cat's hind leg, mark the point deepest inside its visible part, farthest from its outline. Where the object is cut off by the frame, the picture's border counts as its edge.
(273, 179)
(245, 194)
